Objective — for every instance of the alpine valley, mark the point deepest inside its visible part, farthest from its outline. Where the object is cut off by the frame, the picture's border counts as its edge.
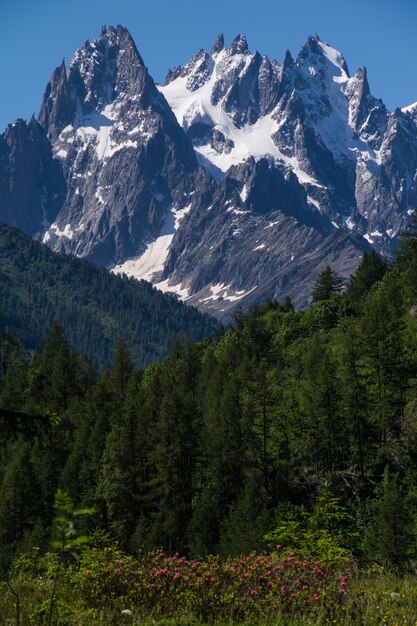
(237, 180)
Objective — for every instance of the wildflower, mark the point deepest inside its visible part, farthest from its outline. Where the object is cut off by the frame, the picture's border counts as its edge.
(253, 592)
(284, 587)
(88, 571)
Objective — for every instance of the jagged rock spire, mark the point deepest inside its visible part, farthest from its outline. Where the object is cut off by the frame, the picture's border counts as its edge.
(218, 44)
(239, 45)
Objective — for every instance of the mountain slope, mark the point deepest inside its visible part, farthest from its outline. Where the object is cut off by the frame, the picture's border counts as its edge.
(39, 288)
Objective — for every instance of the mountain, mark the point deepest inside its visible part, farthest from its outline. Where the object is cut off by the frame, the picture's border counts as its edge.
(127, 164)
(356, 161)
(39, 288)
(237, 180)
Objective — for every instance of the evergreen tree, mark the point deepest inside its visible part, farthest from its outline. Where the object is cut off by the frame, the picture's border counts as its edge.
(319, 401)
(370, 270)
(121, 370)
(19, 503)
(391, 535)
(327, 284)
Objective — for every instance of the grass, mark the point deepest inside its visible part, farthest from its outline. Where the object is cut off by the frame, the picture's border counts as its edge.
(103, 594)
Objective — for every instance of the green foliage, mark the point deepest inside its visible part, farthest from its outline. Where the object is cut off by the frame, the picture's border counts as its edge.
(65, 538)
(327, 284)
(327, 534)
(391, 535)
(66, 541)
(296, 411)
(39, 288)
(370, 270)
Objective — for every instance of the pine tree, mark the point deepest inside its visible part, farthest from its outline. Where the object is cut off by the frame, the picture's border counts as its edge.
(370, 270)
(406, 258)
(391, 536)
(319, 402)
(52, 375)
(19, 502)
(121, 370)
(327, 284)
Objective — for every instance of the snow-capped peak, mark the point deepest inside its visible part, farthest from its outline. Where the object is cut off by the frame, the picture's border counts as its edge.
(411, 108)
(223, 100)
(239, 45)
(335, 57)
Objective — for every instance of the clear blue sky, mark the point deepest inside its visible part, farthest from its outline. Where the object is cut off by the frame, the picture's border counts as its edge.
(36, 34)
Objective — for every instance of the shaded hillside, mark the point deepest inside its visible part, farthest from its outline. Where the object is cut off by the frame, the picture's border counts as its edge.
(39, 288)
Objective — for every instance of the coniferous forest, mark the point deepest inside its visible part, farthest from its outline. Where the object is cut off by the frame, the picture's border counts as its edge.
(39, 288)
(291, 438)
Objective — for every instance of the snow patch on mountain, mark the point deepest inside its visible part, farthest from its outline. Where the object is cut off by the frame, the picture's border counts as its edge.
(150, 263)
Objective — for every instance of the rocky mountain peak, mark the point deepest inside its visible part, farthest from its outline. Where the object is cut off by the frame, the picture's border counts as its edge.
(239, 45)
(288, 61)
(218, 45)
(321, 57)
(107, 67)
(110, 67)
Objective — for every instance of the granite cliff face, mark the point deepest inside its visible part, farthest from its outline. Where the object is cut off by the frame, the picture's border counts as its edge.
(32, 186)
(127, 163)
(237, 180)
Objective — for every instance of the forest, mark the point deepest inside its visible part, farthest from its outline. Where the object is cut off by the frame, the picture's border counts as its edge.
(291, 438)
(40, 288)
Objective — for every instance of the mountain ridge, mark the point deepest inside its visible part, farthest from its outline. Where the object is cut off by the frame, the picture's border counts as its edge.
(302, 144)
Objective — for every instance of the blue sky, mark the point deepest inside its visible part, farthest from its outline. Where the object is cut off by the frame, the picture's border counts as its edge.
(36, 34)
